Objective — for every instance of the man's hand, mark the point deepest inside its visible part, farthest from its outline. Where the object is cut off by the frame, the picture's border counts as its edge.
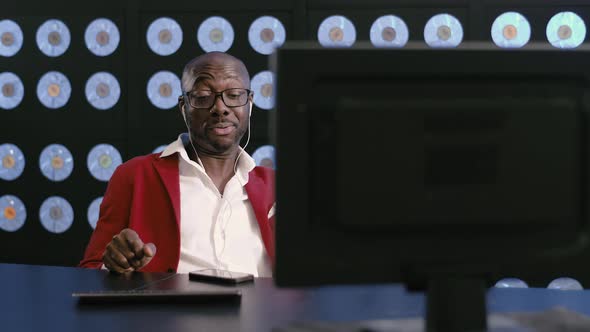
(126, 252)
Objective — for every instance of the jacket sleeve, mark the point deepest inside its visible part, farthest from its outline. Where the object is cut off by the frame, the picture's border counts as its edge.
(113, 218)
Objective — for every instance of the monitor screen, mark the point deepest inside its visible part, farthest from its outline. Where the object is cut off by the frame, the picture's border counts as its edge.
(395, 165)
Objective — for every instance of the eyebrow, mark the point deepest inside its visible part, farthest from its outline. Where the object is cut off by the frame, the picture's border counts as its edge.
(206, 77)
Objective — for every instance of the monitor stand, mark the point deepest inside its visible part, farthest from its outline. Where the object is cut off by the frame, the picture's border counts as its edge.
(456, 303)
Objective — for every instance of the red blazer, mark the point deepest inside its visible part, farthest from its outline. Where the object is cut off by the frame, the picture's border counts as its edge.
(144, 194)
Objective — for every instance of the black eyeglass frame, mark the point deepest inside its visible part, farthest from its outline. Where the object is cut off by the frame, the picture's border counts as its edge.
(185, 95)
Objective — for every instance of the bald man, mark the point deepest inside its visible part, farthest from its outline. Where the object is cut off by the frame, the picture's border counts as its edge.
(202, 203)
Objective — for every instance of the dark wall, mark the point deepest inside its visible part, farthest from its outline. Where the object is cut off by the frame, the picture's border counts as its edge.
(134, 126)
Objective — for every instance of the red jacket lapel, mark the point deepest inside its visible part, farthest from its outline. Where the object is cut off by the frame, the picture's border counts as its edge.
(260, 189)
(167, 169)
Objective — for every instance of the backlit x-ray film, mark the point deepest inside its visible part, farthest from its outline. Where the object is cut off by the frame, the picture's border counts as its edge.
(102, 90)
(566, 30)
(12, 90)
(12, 162)
(53, 38)
(93, 212)
(56, 214)
(102, 161)
(164, 36)
(265, 34)
(56, 162)
(53, 90)
(12, 213)
(389, 31)
(263, 85)
(336, 31)
(265, 156)
(102, 37)
(163, 89)
(11, 38)
(511, 30)
(215, 34)
(443, 30)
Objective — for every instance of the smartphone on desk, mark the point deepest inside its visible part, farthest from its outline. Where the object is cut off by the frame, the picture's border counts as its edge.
(220, 276)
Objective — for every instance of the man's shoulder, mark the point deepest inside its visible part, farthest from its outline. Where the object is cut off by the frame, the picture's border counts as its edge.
(145, 162)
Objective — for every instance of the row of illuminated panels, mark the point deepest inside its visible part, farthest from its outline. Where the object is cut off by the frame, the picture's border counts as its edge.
(55, 213)
(509, 30)
(56, 162)
(103, 90)
(165, 36)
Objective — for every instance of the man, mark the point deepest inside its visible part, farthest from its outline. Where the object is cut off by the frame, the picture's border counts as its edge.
(201, 203)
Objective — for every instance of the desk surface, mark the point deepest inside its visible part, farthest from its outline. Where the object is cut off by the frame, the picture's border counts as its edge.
(38, 298)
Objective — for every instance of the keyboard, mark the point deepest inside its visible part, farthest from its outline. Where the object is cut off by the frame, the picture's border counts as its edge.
(158, 296)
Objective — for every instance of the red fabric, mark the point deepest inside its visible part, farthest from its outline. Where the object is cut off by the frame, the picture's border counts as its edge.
(144, 195)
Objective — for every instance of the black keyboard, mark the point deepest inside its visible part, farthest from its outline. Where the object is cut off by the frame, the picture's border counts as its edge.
(157, 296)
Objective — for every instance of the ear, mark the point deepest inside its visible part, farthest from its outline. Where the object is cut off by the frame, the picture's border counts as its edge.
(181, 106)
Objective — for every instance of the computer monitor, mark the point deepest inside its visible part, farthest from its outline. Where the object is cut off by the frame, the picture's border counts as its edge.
(432, 167)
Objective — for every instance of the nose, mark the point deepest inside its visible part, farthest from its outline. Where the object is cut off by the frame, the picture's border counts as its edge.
(219, 107)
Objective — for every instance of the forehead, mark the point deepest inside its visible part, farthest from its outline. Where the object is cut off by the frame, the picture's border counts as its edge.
(223, 75)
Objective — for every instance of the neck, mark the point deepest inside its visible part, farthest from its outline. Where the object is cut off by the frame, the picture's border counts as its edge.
(220, 168)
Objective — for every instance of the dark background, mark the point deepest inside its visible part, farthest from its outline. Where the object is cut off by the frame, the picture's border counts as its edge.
(134, 126)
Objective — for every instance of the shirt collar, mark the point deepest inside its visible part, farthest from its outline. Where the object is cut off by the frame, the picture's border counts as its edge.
(245, 162)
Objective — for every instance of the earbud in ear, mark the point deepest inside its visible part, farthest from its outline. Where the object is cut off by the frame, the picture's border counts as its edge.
(250, 113)
(183, 108)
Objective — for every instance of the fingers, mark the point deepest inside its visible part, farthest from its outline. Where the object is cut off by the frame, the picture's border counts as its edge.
(115, 256)
(115, 264)
(120, 245)
(121, 253)
(126, 252)
(149, 251)
(133, 242)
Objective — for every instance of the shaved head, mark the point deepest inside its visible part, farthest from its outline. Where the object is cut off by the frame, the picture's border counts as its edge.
(197, 69)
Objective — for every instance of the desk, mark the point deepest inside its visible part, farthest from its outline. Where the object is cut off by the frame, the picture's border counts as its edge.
(38, 298)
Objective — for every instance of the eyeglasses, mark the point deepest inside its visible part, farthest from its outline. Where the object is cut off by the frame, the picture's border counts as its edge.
(234, 97)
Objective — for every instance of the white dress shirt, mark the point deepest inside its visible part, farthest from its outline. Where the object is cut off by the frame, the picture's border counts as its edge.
(217, 230)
